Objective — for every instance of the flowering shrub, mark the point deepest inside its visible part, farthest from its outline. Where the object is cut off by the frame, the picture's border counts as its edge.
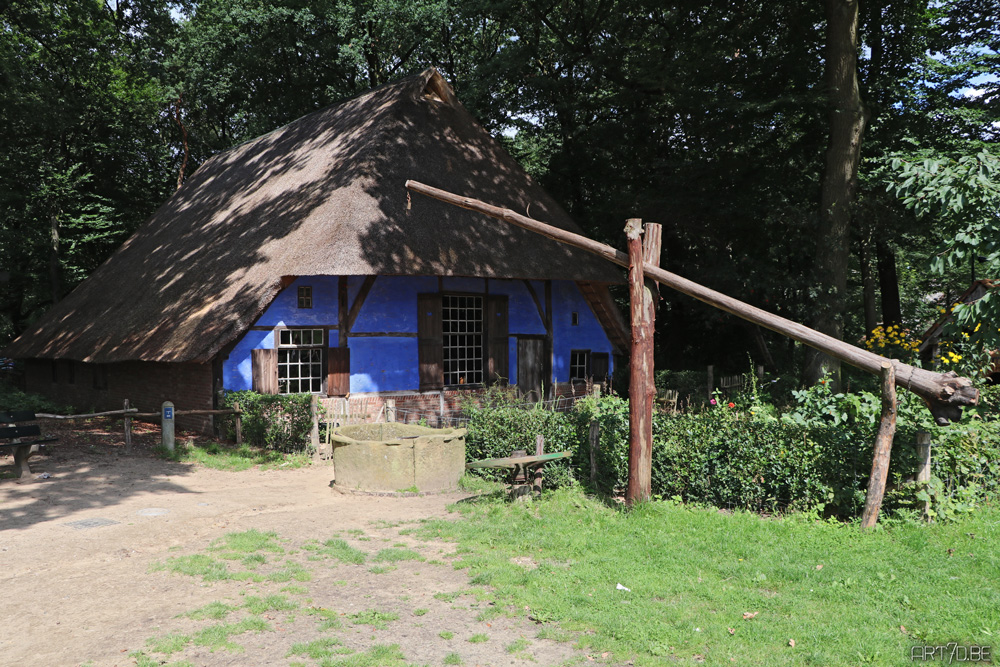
(893, 341)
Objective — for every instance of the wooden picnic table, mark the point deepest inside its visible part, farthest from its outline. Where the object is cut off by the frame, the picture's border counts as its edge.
(523, 468)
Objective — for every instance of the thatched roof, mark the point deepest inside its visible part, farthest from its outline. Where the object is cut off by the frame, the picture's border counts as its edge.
(323, 195)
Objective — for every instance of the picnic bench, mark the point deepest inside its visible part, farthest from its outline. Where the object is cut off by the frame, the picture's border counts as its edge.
(13, 432)
(523, 468)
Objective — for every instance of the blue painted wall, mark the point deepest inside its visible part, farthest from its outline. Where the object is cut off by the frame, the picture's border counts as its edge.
(389, 363)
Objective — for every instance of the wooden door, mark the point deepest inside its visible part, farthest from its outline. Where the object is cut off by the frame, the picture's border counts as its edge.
(530, 367)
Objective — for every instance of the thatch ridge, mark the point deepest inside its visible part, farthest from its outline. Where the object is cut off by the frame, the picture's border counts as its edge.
(322, 195)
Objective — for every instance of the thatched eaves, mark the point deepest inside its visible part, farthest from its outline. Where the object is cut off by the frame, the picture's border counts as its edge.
(323, 195)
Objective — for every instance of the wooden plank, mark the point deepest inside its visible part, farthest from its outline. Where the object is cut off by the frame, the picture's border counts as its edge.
(498, 347)
(430, 342)
(264, 371)
(883, 449)
(342, 311)
(338, 371)
(359, 301)
(17, 416)
(945, 393)
(514, 461)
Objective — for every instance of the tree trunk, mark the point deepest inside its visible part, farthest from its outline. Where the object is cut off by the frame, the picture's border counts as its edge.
(54, 278)
(868, 287)
(888, 284)
(847, 116)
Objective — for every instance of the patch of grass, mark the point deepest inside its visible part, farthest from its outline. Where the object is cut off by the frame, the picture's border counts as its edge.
(447, 597)
(319, 649)
(517, 646)
(379, 655)
(474, 484)
(210, 569)
(222, 456)
(409, 489)
(446, 634)
(213, 610)
(556, 634)
(167, 644)
(295, 590)
(259, 605)
(376, 619)
(291, 571)
(478, 638)
(356, 532)
(337, 548)
(143, 660)
(381, 569)
(843, 596)
(452, 659)
(393, 555)
(329, 619)
(247, 542)
(217, 636)
(420, 612)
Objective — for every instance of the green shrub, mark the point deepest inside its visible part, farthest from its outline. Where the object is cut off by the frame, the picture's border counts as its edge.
(12, 398)
(274, 421)
(498, 428)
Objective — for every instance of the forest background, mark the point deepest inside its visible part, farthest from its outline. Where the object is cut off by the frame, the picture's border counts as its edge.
(830, 162)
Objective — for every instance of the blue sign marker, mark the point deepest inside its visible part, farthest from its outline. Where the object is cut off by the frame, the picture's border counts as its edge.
(168, 413)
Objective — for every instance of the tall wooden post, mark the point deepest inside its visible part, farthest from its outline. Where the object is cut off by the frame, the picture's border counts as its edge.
(128, 430)
(641, 386)
(924, 465)
(883, 448)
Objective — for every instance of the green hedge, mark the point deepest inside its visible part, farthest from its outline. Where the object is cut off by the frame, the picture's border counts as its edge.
(816, 456)
(272, 421)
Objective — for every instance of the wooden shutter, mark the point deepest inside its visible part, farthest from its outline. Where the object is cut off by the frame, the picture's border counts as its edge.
(430, 342)
(338, 371)
(498, 365)
(264, 364)
(599, 364)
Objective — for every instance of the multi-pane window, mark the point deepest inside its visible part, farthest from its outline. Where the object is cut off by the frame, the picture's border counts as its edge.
(579, 363)
(305, 296)
(462, 329)
(300, 361)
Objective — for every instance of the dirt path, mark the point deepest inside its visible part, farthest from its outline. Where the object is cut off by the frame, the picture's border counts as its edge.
(79, 592)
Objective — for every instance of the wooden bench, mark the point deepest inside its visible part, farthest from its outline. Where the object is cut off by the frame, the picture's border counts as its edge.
(526, 471)
(13, 432)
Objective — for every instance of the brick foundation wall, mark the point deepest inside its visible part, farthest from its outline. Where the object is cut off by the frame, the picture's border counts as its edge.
(145, 384)
(439, 409)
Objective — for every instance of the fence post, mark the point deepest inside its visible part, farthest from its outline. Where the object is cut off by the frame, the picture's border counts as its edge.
(167, 426)
(595, 444)
(239, 423)
(128, 430)
(536, 483)
(924, 465)
(883, 448)
(711, 381)
(314, 415)
(390, 409)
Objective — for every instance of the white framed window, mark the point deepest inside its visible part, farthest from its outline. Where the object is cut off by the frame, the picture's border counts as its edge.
(462, 330)
(579, 364)
(300, 361)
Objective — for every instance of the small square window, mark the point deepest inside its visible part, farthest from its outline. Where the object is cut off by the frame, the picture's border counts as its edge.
(305, 297)
(575, 319)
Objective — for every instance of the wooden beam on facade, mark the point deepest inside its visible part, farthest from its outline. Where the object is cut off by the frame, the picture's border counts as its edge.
(359, 301)
(342, 311)
(945, 393)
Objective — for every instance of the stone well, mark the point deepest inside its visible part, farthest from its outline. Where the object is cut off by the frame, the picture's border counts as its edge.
(398, 457)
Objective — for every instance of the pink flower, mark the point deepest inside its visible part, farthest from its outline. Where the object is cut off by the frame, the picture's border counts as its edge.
(712, 402)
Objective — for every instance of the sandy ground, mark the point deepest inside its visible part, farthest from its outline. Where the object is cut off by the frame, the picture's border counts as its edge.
(76, 595)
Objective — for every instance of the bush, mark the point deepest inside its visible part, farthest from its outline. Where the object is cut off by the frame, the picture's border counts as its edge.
(12, 398)
(498, 427)
(272, 421)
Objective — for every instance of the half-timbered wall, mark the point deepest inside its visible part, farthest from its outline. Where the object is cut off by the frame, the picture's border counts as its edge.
(383, 339)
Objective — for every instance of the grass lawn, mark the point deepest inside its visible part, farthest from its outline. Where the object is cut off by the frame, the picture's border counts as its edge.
(715, 588)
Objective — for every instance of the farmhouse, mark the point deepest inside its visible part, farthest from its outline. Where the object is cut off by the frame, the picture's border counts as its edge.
(297, 263)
